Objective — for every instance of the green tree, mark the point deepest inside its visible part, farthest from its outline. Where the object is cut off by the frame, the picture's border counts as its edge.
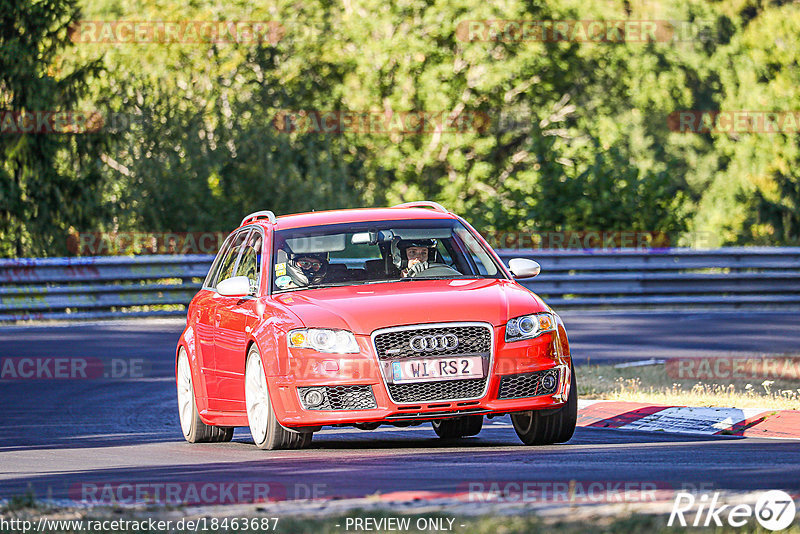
(201, 147)
(578, 137)
(753, 193)
(48, 182)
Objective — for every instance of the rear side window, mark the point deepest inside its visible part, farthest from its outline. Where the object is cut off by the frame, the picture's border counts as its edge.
(212, 273)
(227, 266)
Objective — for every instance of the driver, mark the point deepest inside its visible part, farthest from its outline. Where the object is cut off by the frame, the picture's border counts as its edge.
(411, 257)
(307, 268)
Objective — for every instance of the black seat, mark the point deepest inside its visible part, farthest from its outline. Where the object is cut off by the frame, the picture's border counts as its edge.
(375, 269)
(337, 272)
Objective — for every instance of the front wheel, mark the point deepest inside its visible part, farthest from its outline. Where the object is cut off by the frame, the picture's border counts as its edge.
(458, 427)
(194, 429)
(267, 432)
(536, 428)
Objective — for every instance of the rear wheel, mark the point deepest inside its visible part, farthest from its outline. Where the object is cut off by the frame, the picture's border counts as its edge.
(458, 427)
(546, 427)
(267, 432)
(194, 429)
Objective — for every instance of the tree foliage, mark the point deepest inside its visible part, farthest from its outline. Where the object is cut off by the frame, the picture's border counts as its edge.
(577, 138)
(47, 182)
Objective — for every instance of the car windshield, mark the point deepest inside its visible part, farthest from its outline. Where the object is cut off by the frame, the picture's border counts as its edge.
(374, 252)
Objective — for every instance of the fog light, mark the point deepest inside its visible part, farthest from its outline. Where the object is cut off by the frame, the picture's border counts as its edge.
(313, 398)
(549, 382)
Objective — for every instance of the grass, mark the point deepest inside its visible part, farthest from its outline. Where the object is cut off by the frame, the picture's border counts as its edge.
(654, 384)
(21, 502)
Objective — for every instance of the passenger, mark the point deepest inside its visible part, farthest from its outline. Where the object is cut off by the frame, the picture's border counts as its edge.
(307, 269)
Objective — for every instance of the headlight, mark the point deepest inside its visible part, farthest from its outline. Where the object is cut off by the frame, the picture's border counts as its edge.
(530, 326)
(323, 340)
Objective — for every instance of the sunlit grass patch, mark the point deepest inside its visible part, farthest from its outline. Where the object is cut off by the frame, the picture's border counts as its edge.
(654, 384)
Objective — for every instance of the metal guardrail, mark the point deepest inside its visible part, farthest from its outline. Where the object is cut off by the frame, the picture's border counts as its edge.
(98, 287)
(730, 277)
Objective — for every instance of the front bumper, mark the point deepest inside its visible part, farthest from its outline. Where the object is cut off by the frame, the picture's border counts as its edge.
(311, 369)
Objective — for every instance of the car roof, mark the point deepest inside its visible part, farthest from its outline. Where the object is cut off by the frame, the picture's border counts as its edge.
(317, 218)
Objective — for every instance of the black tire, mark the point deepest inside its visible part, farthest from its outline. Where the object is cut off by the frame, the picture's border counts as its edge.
(198, 431)
(268, 433)
(546, 427)
(458, 427)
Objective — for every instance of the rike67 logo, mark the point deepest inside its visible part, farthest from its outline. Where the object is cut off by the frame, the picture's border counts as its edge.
(774, 510)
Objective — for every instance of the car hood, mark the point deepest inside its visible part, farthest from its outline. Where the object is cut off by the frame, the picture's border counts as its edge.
(365, 308)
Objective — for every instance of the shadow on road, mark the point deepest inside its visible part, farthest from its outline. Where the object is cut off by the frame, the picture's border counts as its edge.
(344, 466)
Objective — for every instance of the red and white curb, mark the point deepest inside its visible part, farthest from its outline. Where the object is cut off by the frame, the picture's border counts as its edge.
(749, 422)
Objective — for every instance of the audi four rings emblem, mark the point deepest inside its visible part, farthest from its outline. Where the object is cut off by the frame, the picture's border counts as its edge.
(433, 342)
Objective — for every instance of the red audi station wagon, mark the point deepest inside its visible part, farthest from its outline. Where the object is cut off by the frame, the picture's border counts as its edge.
(367, 317)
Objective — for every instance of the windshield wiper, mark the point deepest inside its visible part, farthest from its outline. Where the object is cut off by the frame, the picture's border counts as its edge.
(333, 284)
(452, 277)
(387, 281)
(291, 289)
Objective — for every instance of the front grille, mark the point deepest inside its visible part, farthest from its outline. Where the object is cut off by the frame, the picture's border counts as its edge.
(527, 385)
(437, 391)
(395, 345)
(341, 398)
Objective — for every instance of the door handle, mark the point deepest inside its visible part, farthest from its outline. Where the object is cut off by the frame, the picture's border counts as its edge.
(217, 319)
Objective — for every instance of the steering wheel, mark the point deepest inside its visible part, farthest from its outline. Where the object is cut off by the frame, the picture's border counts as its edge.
(438, 269)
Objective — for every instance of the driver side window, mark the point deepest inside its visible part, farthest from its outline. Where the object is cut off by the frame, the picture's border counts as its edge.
(250, 264)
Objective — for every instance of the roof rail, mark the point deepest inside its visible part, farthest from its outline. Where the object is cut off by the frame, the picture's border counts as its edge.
(423, 204)
(259, 215)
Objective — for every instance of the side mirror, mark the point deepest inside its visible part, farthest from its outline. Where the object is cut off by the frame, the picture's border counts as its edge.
(523, 268)
(238, 286)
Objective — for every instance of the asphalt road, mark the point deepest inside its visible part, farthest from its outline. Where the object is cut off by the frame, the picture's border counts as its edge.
(59, 435)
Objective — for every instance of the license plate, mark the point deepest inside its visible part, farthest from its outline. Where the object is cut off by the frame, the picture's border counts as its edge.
(437, 369)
